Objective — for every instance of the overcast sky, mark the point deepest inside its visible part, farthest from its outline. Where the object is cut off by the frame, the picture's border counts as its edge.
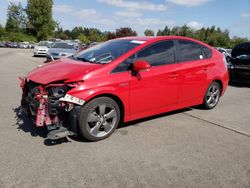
(154, 14)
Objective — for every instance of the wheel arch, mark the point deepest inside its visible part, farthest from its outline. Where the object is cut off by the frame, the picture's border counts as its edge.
(116, 99)
(220, 83)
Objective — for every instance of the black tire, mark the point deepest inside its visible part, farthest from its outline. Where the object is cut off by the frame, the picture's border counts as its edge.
(228, 59)
(212, 96)
(92, 109)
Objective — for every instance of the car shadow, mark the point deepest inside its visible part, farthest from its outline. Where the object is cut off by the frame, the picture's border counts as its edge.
(42, 58)
(136, 122)
(239, 84)
(122, 126)
(26, 125)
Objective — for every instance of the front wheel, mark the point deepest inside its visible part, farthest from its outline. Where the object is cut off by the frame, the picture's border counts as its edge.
(99, 118)
(212, 96)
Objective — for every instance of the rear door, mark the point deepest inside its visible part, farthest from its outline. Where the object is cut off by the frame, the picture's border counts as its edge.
(195, 62)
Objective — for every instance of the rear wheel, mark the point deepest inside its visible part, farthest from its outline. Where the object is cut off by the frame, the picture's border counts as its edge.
(212, 96)
(99, 118)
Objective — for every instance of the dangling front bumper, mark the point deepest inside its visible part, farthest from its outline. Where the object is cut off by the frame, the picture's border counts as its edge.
(51, 106)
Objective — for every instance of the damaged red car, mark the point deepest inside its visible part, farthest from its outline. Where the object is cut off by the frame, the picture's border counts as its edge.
(92, 92)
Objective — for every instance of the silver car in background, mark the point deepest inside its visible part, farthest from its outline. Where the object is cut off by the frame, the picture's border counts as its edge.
(62, 49)
(42, 48)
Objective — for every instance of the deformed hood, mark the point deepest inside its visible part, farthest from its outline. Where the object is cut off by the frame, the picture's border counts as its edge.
(62, 69)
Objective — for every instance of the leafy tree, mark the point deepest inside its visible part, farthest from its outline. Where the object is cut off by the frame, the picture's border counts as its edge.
(200, 34)
(237, 40)
(83, 38)
(210, 35)
(125, 32)
(17, 37)
(149, 32)
(2, 30)
(165, 32)
(110, 35)
(16, 18)
(62, 36)
(186, 31)
(121, 32)
(76, 32)
(40, 21)
(175, 31)
(95, 35)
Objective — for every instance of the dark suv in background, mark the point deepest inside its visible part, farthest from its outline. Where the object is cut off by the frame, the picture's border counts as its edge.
(240, 65)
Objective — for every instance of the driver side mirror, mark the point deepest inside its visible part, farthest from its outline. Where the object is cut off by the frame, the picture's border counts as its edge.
(140, 65)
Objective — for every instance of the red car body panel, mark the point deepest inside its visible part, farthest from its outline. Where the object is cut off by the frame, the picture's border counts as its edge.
(160, 89)
(59, 70)
(166, 86)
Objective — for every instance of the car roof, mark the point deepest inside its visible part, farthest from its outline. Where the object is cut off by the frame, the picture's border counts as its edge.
(159, 38)
(156, 38)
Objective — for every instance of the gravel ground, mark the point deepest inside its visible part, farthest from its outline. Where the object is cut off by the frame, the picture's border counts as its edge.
(187, 148)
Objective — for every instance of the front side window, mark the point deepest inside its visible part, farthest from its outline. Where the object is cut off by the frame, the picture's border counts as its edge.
(162, 53)
(191, 51)
(125, 65)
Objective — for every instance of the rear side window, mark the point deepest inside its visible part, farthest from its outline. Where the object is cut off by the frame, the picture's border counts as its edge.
(207, 52)
(191, 51)
(162, 53)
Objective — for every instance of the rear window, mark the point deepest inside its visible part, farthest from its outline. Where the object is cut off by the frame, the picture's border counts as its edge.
(191, 51)
(207, 52)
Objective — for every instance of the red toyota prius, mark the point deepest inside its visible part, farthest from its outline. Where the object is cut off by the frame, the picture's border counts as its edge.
(92, 92)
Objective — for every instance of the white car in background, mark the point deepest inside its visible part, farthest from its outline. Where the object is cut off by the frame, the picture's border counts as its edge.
(24, 45)
(42, 48)
(226, 53)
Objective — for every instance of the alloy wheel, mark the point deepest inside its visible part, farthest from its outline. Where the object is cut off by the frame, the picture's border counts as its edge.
(101, 120)
(213, 95)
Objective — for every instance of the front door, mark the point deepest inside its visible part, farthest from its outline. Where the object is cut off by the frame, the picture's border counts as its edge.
(158, 87)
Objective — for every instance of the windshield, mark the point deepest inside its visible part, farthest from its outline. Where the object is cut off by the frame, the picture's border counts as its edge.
(43, 43)
(63, 45)
(108, 51)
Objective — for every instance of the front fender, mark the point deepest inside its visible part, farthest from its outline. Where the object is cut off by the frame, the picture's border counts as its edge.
(88, 94)
(122, 93)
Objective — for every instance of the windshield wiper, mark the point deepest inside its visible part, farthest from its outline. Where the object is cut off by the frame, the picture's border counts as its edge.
(84, 59)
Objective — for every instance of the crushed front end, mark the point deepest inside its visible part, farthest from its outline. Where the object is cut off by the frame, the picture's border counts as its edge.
(50, 105)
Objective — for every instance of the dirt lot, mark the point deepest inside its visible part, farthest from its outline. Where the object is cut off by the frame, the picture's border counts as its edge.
(188, 148)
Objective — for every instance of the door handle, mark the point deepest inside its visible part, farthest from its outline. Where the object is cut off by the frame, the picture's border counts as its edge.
(174, 75)
(205, 68)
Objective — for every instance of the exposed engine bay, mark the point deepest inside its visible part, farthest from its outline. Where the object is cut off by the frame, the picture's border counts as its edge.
(51, 106)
